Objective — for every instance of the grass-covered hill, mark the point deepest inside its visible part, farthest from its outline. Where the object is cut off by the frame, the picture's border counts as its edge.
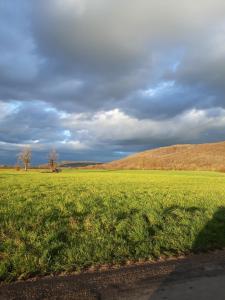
(177, 157)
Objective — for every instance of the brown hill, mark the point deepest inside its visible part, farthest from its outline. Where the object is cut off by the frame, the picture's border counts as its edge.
(176, 157)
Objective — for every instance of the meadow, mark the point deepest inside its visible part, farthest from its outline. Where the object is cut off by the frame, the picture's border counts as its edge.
(51, 223)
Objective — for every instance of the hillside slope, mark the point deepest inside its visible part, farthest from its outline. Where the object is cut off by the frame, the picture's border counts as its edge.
(176, 157)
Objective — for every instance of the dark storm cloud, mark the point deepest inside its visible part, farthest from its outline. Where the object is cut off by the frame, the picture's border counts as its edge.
(110, 76)
(30, 122)
(125, 50)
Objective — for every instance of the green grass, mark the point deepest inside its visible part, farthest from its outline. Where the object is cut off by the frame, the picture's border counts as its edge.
(76, 219)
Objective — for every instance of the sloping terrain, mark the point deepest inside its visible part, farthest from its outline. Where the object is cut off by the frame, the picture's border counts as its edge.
(177, 157)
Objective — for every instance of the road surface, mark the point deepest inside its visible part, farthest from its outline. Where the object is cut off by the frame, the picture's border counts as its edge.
(200, 277)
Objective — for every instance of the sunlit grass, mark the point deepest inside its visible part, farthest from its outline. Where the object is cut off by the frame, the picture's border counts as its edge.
(75, 219)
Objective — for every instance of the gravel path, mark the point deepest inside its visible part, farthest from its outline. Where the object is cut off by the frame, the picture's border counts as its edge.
(197, 277)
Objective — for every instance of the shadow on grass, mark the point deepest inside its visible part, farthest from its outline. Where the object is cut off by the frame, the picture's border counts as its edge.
(135, 282)
(211, 237)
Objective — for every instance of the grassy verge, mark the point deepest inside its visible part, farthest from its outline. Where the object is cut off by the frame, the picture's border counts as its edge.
(75, 219)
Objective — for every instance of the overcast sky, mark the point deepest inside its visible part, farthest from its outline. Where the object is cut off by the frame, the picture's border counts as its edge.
(100, 79)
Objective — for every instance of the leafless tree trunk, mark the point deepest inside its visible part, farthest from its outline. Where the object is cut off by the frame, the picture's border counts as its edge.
(25, 157)
(52, 160)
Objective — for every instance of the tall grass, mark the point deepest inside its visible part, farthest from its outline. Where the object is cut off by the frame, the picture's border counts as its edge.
(76, 219)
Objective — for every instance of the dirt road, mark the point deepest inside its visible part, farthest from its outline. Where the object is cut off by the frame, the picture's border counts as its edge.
(194, 277)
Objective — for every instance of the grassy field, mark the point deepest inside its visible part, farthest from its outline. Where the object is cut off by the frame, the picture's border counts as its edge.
(76, 219)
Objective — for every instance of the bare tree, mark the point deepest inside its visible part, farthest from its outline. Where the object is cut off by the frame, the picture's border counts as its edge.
(17, 165)
(25, 157)
(52, 160)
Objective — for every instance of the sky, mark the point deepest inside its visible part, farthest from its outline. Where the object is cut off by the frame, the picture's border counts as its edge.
(101, 79)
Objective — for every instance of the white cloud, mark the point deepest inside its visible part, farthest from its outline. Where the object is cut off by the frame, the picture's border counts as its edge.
(77, 6)
(72, 145)
(115, 126)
